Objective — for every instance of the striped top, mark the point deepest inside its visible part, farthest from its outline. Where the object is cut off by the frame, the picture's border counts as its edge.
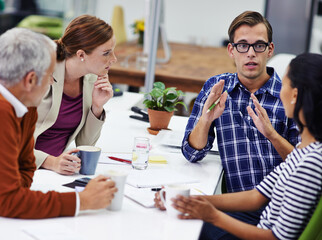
(294, 190)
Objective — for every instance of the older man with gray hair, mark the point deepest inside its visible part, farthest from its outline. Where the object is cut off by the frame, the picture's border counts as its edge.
(27, 60)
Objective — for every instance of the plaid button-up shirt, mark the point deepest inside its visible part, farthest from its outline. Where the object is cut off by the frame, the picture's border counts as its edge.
(246, 155)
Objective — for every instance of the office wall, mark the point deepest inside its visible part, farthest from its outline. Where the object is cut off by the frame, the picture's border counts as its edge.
(203, 22)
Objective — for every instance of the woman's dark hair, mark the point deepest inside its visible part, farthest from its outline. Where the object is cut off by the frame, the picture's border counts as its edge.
(84, 32)
(305, 73)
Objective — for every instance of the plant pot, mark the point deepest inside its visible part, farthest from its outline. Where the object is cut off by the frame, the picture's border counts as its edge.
(141, 38)
(159, 119)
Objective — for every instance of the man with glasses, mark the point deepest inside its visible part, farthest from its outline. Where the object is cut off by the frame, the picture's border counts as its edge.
(258, 47)
(250, 144)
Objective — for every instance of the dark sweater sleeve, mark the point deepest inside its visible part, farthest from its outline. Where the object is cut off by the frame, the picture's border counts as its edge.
(17, 166)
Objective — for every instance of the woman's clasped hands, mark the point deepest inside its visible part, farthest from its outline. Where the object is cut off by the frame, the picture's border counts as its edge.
(192, 207)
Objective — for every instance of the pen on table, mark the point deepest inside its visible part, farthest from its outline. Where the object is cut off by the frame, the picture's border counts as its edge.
(198, 190)
(120, 159)
(156, 189)
(214, 104)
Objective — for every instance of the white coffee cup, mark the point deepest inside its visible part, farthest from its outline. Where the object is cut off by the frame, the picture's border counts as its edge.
(119, 178)
(172, 191)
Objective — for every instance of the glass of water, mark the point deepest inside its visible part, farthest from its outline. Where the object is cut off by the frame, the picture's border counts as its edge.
(140, 154)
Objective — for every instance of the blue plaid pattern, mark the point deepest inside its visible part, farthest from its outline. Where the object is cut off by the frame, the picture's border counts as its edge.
(246, 155)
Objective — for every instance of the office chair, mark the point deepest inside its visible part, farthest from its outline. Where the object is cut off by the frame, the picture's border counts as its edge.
(313, 230)
(50, 26)
(280, 62)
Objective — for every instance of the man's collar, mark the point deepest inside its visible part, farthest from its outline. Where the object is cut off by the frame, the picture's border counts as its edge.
(272, 86)
(20, 109)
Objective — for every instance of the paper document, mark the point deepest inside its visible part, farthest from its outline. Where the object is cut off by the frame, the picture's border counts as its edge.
(145, 196)
(169, 138)
(173, 139)
(158, 177)
(142, 196)
(51, 231)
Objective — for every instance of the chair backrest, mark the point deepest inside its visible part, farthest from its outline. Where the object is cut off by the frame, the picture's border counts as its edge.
(280, 62)
(313, 230)
(50, 26)
(316, 41)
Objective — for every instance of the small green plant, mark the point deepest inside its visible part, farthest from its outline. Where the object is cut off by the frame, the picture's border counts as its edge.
(163, 99)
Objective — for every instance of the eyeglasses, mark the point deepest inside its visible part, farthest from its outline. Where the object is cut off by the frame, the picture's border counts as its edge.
(244, 47)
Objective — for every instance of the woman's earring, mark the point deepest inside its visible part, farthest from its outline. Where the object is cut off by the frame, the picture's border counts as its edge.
(82, 59)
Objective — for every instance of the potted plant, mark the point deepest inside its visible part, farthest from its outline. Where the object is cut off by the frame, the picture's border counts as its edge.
(138, 28)
(161, 103)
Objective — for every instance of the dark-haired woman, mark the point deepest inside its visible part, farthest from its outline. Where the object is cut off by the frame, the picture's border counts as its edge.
(72, 109)
(290, 192)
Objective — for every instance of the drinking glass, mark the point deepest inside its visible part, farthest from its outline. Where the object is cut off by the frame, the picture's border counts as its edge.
(140, 154)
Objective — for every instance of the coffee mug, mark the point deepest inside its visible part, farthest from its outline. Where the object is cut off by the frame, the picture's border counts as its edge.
(119, 178)
(89, 156)
(172, 191)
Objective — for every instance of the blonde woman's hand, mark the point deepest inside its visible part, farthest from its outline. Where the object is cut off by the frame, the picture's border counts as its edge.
(65, 163)
(102, 92)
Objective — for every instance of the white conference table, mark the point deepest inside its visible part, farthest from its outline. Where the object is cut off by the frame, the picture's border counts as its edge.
(133, 221)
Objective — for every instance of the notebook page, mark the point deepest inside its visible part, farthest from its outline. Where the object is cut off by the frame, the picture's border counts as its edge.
(158, 177)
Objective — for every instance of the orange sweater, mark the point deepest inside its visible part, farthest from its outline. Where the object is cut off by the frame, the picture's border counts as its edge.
(17, 166)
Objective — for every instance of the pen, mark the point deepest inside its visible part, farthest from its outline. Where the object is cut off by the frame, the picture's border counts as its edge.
(198, 190)
(120, 159)
(214, 104)
(156, 189)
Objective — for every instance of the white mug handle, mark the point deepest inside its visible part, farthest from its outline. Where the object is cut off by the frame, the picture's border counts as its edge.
(162, 197)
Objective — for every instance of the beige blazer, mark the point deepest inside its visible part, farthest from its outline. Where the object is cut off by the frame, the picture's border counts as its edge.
(89, 129)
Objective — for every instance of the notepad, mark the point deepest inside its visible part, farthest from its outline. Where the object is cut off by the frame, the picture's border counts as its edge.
(157, 159)
(158, 177)
(142, 196)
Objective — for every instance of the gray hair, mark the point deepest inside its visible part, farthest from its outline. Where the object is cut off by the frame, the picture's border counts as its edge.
(23, 51)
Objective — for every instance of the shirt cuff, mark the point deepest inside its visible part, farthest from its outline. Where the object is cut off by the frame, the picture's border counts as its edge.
(77, 204)
(103, 116)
